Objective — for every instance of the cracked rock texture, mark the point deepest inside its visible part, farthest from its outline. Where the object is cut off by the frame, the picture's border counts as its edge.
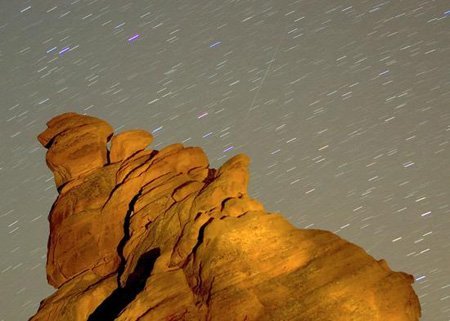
(141, 234)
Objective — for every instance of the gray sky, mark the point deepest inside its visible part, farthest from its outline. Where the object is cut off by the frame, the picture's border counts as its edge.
(343, 107)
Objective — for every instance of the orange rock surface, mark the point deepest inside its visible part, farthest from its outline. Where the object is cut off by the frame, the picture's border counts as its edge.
(128, 143)
(158, 235)
(76, 145)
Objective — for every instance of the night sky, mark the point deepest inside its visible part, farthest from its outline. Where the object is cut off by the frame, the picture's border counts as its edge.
(342, 106)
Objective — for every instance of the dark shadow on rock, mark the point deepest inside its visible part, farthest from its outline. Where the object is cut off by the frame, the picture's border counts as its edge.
(111, 307)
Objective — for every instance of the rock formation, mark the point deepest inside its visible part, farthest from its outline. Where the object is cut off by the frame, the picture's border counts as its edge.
(141, 234)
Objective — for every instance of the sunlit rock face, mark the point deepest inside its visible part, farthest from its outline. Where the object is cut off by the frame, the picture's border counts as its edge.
(141, 234)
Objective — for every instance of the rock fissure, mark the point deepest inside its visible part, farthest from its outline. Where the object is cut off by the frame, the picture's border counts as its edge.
(62, 133)
(201, 235)
(147, 163)
(209, 179)
(120, 298)
(152, 154)
(114, 190)
(126, 236)
(150, 187)
(222, 204)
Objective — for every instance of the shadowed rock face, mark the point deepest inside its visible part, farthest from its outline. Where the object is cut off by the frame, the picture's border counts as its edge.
(140, 234)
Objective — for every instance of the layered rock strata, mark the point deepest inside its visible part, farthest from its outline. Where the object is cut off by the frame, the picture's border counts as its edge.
(142, 234)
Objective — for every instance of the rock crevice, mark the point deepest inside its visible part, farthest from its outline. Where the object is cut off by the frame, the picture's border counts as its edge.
(118, 300)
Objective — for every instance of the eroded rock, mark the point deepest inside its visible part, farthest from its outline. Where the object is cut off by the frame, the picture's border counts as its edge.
(128, 143)
(76, 145)
(158, 235)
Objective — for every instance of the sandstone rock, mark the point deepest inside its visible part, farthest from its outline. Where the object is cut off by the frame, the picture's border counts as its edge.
(76, 145)
(158, 235)
(78, 228)
(128, 143)
(77, 299)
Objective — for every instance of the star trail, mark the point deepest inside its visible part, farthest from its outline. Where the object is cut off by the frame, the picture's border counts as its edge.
(342, 106)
